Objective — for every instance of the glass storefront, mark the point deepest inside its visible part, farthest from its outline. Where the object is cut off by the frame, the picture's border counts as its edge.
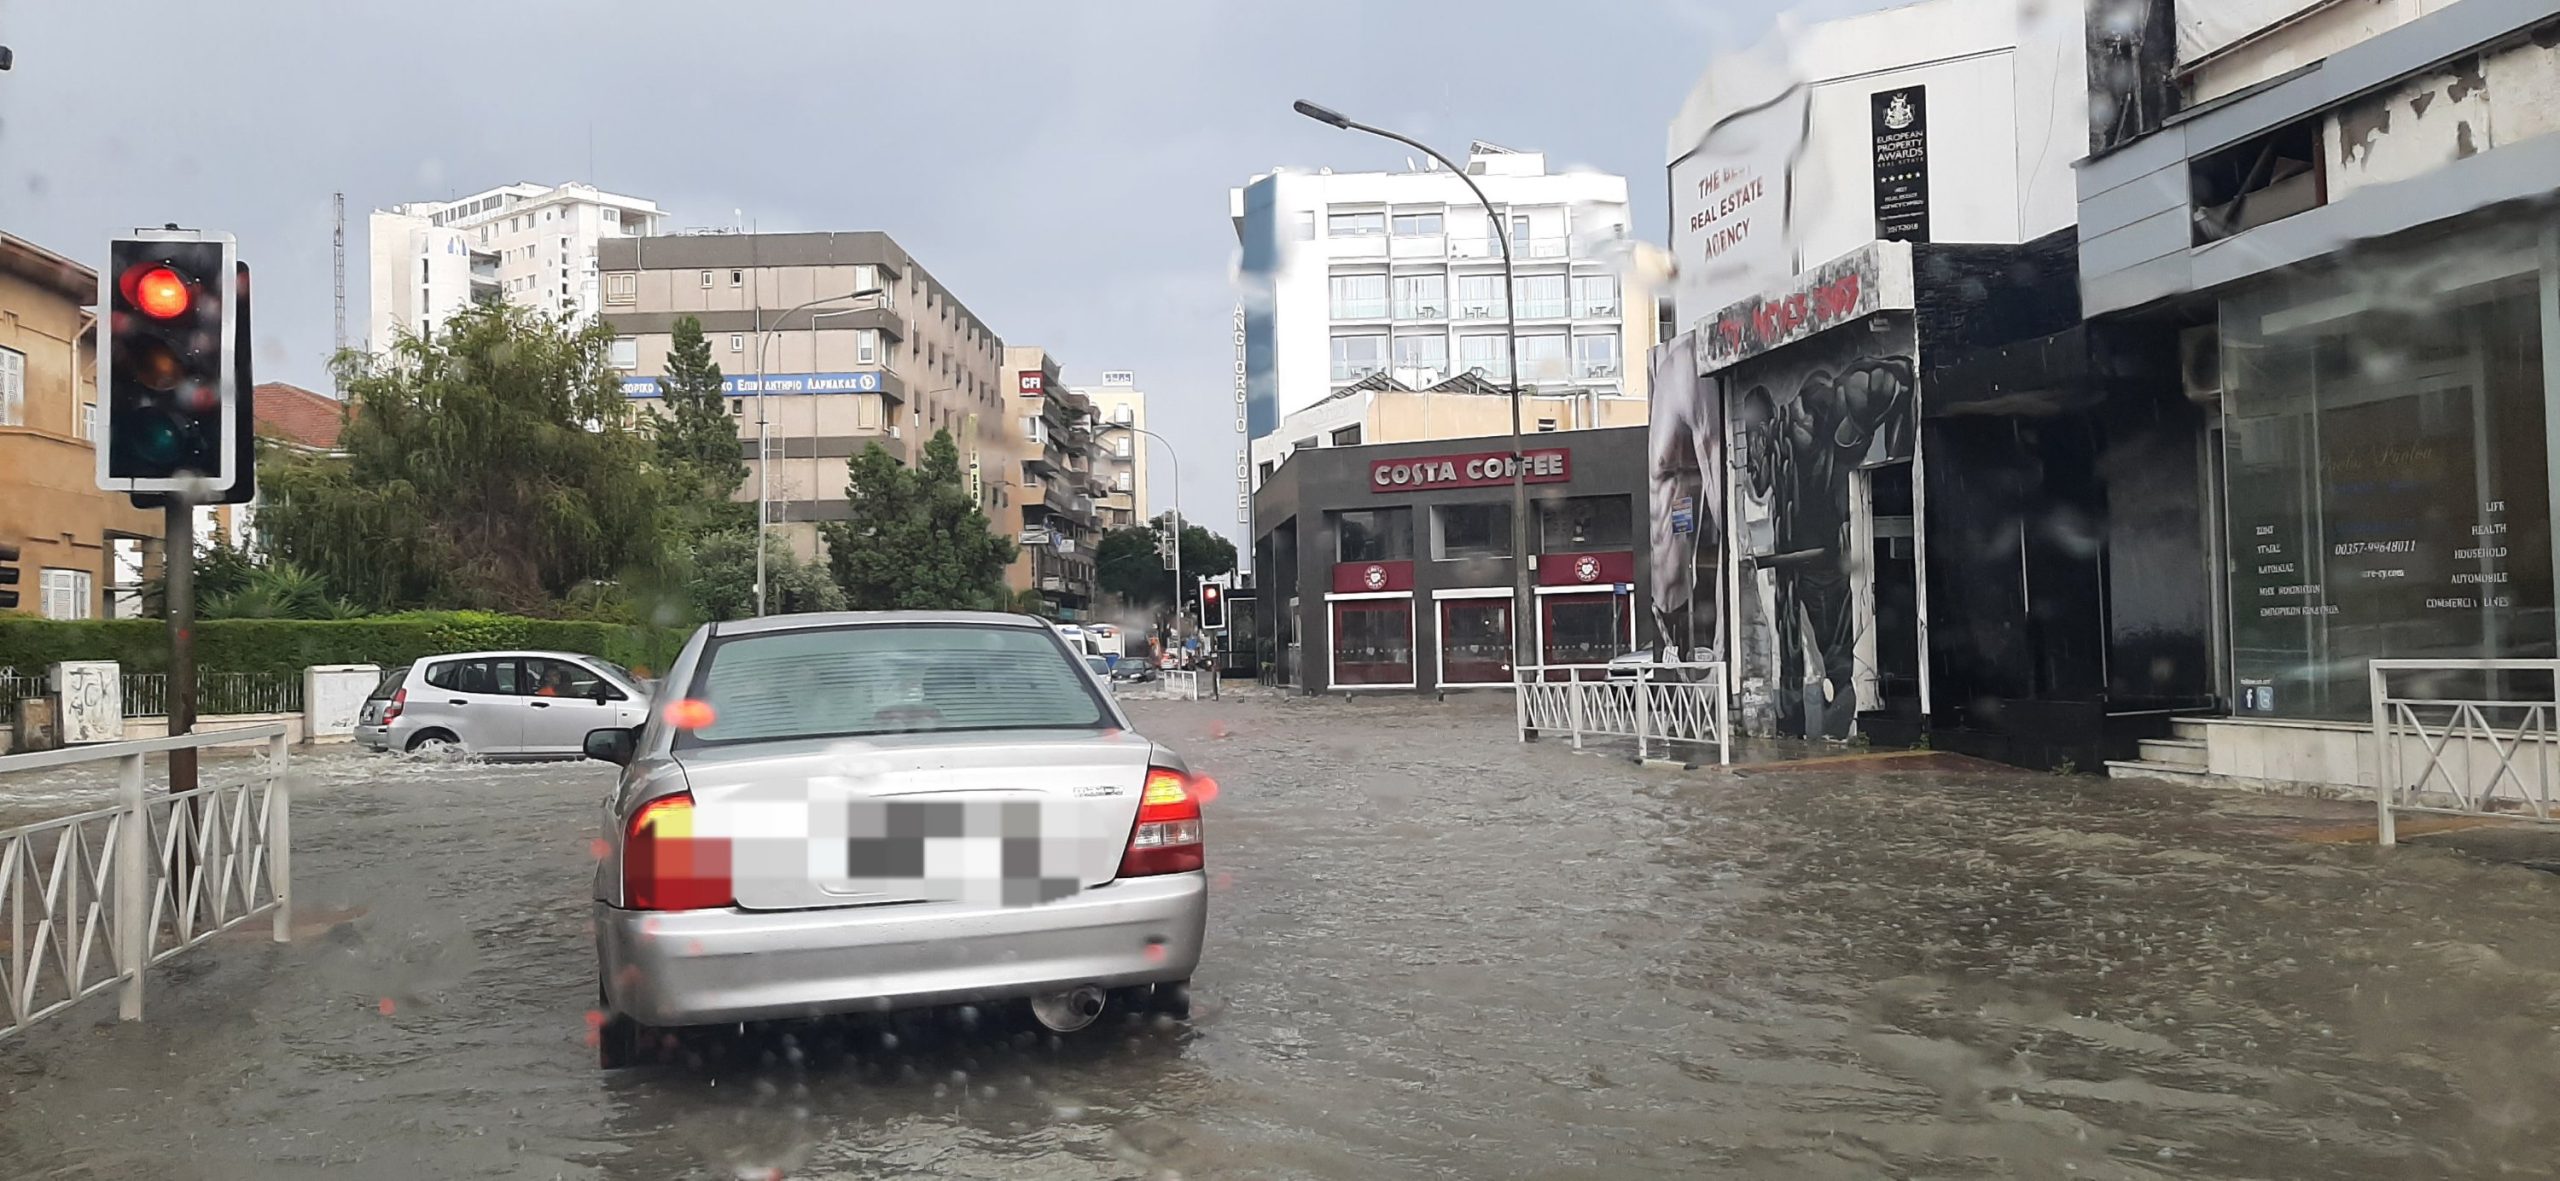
(1373, 642)
(1588, 628)
(2385, 471)
(1475, 641)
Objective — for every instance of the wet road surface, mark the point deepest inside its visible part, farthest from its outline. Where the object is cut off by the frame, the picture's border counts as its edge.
(1432, 952)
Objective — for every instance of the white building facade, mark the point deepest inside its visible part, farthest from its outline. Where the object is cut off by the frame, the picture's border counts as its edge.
(531, 245)
(1118, 402)
(1397, 276)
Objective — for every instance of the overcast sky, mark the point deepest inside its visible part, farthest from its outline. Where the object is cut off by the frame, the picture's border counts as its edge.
(1064, 167)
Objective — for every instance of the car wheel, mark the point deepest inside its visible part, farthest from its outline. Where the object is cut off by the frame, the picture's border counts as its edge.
(621, 1042)
(435, 742)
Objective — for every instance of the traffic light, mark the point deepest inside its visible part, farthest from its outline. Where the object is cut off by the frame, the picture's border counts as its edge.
(1168, 548)
(1213, 606)
(166, 376)
(8, 576)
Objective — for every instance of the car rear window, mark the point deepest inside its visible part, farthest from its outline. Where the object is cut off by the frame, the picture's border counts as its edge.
(890, 679)
(391, 682)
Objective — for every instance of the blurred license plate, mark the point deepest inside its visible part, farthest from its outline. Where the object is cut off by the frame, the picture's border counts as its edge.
(1000, 852)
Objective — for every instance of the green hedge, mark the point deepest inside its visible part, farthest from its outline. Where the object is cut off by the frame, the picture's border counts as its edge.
(286, 646)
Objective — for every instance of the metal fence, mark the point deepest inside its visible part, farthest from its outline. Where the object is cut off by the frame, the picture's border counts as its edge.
(146, 695)
(2472, 737)
(1661, 706)
(1179, 684)
(92, 900)
(17, 686)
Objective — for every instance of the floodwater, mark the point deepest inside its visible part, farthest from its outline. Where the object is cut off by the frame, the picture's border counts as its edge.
(1433, 952)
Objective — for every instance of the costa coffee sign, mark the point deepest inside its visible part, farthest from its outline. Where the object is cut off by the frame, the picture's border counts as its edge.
(1031, 384)
(1480, 470)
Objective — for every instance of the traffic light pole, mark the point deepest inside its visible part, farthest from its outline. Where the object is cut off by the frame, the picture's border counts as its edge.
(178, 569)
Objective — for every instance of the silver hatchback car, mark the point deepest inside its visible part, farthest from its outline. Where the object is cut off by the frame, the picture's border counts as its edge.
(500, 705)
(868, 812)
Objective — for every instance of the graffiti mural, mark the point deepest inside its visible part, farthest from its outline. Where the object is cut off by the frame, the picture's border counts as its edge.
(1805, 419)
(1684, 450)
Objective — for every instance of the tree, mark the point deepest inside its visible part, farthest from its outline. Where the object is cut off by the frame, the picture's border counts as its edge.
(1129, 564)
(723, 585)
(495, 465)
(915, 539)
(697, 439)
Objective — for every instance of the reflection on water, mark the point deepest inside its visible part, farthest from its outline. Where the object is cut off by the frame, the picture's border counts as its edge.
(1434, 952)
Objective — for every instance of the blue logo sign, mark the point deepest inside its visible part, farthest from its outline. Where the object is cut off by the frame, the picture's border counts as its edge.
(866, 381)
(1684, 515)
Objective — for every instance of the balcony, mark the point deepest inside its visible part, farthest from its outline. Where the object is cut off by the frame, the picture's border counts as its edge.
(1479, 310)
(1545, 309)
(1422, 309)
(1432, 246)
(1596, 370)
(1596, 310)
(1354, 370)
(1359, 309)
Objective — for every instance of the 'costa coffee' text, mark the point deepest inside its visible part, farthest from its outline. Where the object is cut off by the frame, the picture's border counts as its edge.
(1468, 471)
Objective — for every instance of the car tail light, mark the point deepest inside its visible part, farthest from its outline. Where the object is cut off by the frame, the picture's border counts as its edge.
(666, 867)
(1167, 836)
(392, 710)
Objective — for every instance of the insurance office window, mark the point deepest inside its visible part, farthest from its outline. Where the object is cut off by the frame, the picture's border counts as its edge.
(1374, 535)
(1470, 531)
(2386, 473)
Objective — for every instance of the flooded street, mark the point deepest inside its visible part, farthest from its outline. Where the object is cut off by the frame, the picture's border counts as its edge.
(1432, 952)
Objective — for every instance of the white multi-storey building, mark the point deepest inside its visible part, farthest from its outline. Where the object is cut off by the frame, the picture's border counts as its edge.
(1123, 459)
(529, 244)
(1394, 280)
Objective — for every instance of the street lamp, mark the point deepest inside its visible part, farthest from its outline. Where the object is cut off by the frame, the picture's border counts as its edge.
(1176, 458)
(764, 446)
(1511, 333)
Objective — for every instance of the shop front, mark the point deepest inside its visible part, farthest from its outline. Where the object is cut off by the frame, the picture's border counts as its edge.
(1408, 548)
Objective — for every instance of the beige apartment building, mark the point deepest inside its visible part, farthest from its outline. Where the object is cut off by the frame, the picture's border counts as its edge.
(1056, 485)
(1123, 452)
(51, 508)
(830, 375)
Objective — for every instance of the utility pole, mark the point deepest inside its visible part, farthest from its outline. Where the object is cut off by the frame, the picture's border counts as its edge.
(338, 283)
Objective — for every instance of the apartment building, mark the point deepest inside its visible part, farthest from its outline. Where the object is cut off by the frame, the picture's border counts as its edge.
(531, 245)
(51, 508)
(1394, 281)
(827, 375)
(1058, 481)
(1122, 454)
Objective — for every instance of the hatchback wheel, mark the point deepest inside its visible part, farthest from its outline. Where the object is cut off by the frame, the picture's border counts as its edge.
(435, 742)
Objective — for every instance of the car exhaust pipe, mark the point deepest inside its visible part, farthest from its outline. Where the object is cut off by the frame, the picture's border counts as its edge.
(1070, 1011)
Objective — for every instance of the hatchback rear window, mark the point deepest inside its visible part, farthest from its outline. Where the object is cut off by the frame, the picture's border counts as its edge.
(890, 679)
(391, 682)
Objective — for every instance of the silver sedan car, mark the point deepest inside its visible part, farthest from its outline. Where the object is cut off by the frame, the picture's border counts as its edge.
(869, 812)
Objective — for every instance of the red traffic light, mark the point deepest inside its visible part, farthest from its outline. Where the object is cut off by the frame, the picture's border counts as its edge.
(160, 292)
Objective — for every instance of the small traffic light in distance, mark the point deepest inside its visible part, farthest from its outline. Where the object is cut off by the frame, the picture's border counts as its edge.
(165, 374)
(8, 576)
(1213, 606)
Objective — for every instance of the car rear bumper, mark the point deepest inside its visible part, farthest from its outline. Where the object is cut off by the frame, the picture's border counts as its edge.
(373, 737)
(701, 967)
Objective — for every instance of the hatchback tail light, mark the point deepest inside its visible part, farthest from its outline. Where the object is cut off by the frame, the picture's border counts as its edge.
(1167, 836)
(392, 710)
(666, 867)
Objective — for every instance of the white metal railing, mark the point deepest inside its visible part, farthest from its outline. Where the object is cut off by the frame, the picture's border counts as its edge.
(1180, 684)
(2436, 751)
(93, 899)
(1666, 704)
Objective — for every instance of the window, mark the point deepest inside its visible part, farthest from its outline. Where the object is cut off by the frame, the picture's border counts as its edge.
(1373, 535)
(1373, 642)
(1356, 357)
(1485, 355)
(13, 388)
(1347, 436)
(1580, 524)
(1545, 425)
(1428, 353)
(546, 676)
(866, 346)
(66, 593)
(1422, 297)
(1519, 234)
(496, 677)
(1359, 297)
(626, 353)
(738, 406)
(1595, 295)
(1349, 225)
(622, 287)
(1587, 629)
(1304, 223)
(88, 423)
(1595, 355)
(889, 679)
(1417, 225)
(1470, 531)
(737, 342)
(1542, 297)
(1475, 641)
(1542, 357)
(736, 278)
(1480, 297)
(706, 279)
